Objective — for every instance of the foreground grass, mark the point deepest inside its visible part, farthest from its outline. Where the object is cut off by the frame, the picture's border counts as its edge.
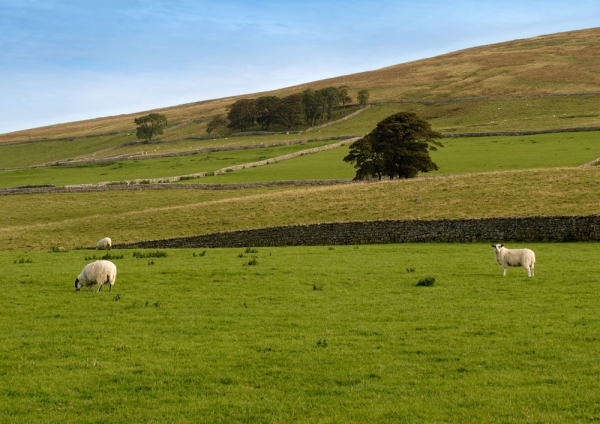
(81, 219)
(307, 334)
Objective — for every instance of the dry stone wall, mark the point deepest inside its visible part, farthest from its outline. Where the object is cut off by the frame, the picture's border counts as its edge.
(517, 229)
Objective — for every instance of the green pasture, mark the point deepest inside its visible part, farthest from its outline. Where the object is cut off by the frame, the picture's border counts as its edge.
(302, 334)
(41, 152)
(460, 155)
(145, 169)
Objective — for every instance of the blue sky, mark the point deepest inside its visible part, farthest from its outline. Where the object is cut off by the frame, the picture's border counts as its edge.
(63, 61)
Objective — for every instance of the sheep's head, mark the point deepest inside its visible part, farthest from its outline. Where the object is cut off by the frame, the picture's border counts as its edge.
(498, 247)
(77, 284)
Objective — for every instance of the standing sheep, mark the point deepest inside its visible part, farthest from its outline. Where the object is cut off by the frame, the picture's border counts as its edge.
(105, 243)
(515, 257)
(99, 272)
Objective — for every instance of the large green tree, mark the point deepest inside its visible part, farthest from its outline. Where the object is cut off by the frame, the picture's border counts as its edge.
(398, 147)
(242, 114)
(150, 125)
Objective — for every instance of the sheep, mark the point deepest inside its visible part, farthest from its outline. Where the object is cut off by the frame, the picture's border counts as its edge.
(98, 272)
(515, 257)
(105, 243)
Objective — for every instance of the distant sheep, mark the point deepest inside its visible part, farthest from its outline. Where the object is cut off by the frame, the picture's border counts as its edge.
(99, 272)
(515, 257)
(105, 243)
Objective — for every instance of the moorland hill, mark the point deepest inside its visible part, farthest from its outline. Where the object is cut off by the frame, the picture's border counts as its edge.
(556, 64)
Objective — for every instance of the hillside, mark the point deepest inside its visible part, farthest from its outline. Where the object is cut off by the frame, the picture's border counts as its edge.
(557, 64)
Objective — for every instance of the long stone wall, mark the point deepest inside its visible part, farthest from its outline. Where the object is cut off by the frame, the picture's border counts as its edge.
(517, 229)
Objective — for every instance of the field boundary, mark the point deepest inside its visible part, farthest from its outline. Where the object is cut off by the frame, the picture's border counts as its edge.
(511, 229)
(82, 188)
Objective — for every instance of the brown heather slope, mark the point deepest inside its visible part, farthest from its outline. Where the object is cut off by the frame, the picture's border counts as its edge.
(562, 63)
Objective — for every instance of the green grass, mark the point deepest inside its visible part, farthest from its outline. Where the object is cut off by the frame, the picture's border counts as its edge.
(481, 154)
(40, 152)
(460, 155)
(145, 169)
(208, 338)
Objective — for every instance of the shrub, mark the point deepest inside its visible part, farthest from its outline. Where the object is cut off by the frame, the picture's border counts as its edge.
(24, 261)
(426, 282)
(253, 261)
(143, 255)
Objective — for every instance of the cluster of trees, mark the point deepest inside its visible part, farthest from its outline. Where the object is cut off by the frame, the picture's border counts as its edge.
(291, 111)
(398, 146)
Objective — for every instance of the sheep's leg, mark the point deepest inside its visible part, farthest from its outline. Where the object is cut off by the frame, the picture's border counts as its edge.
(109, 288)
(504, 272)
(99, 287)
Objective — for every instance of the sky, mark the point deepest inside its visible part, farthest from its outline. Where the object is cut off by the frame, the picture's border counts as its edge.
(70, 60)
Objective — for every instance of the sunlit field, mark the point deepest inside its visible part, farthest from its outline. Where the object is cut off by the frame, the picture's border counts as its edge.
(315, 334)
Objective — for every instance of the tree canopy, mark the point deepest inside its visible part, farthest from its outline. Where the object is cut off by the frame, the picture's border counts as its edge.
(150, 125)
(265, 108)
(217, 123)
(288, 111)
(363, 97)
(242, 114)
(398, 146)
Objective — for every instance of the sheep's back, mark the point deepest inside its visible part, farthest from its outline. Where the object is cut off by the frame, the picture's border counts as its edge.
(519, 256)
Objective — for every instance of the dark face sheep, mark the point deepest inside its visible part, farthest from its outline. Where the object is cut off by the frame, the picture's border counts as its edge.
(97, 273)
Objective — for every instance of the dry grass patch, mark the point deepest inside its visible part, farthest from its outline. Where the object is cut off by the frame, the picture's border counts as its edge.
(561, 191)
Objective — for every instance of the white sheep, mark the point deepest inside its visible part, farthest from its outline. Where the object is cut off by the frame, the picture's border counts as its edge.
(515, 257)
(105, 243)
(98, 272)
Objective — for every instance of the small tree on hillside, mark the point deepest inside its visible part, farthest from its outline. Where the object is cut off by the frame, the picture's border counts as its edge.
(218, 123)
(288, 111)
(242, 114)
(363, 97)
(344, 96)
(331, 95)
(265, 115)
(150, 125)
(398, 146)
(312, 102)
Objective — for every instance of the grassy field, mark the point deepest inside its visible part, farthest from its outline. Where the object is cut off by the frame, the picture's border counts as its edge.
(314, 334)
(311, 334)
(461, 155)
(34, 222)
(145, 169)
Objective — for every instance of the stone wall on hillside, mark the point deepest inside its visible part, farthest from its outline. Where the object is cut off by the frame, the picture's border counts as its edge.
(517, 229)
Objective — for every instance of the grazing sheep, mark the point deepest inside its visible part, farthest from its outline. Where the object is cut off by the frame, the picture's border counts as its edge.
(515, 257)
(105, 243)
(99, 272)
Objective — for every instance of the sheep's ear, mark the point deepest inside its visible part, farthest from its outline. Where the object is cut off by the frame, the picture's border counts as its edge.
(493, 245)
(501, 245)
